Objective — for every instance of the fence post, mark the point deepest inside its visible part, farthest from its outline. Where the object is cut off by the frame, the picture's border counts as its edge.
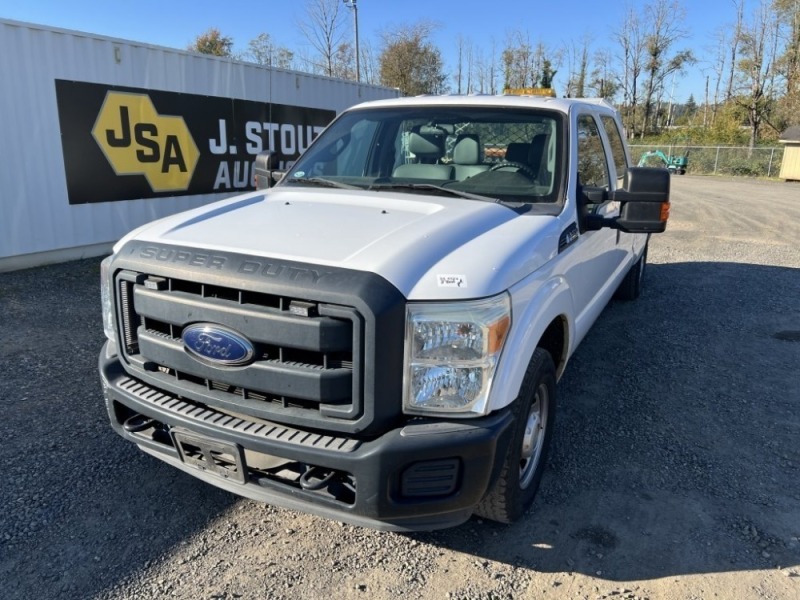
(716, 161)
(771, 156)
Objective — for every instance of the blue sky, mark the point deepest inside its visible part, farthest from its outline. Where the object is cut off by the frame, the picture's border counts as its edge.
(175, 23)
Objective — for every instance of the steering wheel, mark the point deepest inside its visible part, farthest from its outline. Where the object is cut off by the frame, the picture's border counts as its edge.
(520, 167)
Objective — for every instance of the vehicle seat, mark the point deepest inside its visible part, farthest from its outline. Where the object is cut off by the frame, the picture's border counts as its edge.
(428, 148)
(517, 152)
(536, 155)
(467, 156)
(530, 155)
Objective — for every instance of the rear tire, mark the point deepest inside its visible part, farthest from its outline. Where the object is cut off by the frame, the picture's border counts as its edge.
(631, 286)
(534, 413)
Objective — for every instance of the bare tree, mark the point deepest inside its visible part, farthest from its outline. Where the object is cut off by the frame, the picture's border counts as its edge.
(720, 62)
(370, 67)
(323, 27)
(470, 66)
(630, 38)
(664, 30)
(263, 51)
(604, 81)
(518, 58)
(789, 14)
(578, 60)
(735, 40)
(756, 67)
(788, 109)
(486, 69)
(526, 65)
(464, 65)
(344, 61)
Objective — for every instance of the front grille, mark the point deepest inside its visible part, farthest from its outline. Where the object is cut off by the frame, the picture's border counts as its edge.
(307, 370)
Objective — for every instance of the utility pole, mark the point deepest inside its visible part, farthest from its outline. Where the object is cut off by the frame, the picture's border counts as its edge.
(354, 5)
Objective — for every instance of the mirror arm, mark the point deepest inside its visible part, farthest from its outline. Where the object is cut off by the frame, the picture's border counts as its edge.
(596, 222)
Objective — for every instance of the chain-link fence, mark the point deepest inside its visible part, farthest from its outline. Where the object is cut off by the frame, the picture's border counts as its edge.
(716, 160)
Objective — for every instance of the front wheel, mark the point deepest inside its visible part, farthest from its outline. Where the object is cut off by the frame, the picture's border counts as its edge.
(534, 413)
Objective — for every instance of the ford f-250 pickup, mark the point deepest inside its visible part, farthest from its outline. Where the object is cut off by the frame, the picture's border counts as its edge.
(376, 335)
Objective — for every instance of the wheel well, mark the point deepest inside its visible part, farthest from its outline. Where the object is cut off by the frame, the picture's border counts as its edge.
(554, 340)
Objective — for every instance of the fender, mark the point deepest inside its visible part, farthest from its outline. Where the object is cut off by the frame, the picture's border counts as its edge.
(533, 309)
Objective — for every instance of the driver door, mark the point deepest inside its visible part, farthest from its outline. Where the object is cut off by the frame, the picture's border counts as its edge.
(592, 277)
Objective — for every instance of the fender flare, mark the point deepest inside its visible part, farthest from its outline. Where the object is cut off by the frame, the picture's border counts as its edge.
(552, 300)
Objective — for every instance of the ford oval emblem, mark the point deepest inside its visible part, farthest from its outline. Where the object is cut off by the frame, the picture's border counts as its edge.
(218, 345)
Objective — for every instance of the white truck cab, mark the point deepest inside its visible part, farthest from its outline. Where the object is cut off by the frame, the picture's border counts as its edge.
(377, 337)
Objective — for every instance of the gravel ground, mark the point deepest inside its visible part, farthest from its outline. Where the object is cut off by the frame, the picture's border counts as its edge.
(675, 471)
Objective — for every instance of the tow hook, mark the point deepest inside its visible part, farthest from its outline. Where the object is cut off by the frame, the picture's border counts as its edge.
(323, 478)
(137, 423)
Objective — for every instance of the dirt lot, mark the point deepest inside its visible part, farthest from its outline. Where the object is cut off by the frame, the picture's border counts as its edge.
(675, 471)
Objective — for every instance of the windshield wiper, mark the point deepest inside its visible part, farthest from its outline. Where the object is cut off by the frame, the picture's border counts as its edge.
(430, 187)
(322, 182)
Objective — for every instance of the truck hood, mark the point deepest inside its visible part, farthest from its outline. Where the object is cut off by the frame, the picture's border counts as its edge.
(429, 247)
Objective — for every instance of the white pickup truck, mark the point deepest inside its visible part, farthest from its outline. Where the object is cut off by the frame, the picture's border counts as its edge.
(377, 338)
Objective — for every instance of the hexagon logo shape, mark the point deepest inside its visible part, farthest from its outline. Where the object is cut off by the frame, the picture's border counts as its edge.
(136, 140)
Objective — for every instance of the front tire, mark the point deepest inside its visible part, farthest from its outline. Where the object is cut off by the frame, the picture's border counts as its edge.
(534, 413)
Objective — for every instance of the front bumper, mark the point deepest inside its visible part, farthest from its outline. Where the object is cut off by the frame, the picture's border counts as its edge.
(428, 474)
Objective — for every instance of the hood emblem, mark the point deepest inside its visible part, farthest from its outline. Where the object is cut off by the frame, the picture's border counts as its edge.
(218, 345)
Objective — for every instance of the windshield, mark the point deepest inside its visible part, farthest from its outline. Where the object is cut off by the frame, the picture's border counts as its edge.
(496, 154)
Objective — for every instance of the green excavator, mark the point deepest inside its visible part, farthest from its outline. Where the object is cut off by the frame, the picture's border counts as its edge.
(676, 163)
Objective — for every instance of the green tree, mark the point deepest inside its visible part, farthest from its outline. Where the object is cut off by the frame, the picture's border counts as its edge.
(691, 106)
(212, 42)
(410, 62)
(548, 74)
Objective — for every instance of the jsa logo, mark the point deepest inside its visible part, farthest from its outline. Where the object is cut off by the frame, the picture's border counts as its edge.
(138, 141)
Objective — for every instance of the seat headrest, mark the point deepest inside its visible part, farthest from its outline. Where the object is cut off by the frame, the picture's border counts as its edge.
(426, 145)
(467, 150)
(518, 152)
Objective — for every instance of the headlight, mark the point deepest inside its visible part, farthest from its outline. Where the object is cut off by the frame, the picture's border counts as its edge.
(107, 298)
(451, 353)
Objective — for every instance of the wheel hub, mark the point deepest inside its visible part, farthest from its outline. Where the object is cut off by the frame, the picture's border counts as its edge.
(533, 437)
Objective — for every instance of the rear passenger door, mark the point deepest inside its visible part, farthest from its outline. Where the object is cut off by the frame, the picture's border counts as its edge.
(620, 162)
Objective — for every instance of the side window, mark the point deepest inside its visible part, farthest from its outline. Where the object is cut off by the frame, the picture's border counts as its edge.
(617, 147)
(592, 164)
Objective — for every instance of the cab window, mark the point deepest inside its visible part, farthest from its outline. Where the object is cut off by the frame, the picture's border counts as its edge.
(592, 162)
(617, 147)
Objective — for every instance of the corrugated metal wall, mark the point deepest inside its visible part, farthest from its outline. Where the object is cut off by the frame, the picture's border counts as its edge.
(35, 215)
(790, 167)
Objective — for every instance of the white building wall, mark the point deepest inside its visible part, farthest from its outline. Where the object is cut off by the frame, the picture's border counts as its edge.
(37, 222)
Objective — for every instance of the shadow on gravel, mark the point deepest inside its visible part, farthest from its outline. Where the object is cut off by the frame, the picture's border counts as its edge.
(81, 508)
(675, 453)
(676, 440)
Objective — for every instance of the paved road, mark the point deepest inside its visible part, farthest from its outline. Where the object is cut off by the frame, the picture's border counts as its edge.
(675, 472)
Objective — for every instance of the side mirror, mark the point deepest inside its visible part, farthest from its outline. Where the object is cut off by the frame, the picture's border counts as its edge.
(644, 201)
(265, 170)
